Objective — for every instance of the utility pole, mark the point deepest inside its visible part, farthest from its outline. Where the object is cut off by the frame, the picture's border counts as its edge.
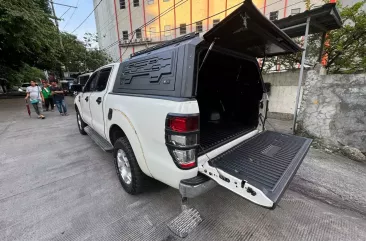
(59, 34)
(56, 22)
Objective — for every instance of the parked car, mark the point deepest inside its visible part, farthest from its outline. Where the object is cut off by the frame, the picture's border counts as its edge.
(23, 87)
(191, 113)
(83, 78)
(66, 85)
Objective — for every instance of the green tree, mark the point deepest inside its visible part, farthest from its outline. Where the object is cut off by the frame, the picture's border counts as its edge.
(79, 56)
(96, 58)
(27, 35)
(347, 46)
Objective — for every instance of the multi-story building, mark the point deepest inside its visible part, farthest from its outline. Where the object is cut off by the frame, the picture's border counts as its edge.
(127, 26)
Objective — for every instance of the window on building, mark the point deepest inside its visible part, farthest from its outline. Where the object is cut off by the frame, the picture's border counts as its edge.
(125, 35)
(273, 15)
(215, 22)
(149, 2)
(295, 11)
(152, 32)
(138, 33)
(199, 27)
(136, 3)
(183, 28)
(167, 30)
(122, 4)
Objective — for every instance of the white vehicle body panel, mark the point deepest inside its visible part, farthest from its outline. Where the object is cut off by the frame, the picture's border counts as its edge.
(144, 118)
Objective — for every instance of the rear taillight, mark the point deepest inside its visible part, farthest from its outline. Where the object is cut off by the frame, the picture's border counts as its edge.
(181, 135)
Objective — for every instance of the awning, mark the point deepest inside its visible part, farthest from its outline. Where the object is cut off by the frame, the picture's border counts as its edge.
(323, 19)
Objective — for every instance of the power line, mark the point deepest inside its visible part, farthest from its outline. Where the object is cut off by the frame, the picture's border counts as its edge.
(186, 24)
(77, 4)
(111, 20)
(87, 17)
(149, 22)
(218, 14)
(128, 45)
(178, 27)
(154, 19)
(65, 12)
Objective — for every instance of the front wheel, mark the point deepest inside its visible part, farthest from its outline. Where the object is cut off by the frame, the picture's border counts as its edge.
(132, 179)
(81, 123)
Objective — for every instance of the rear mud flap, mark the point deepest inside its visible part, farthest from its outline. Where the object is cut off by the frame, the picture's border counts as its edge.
(259, 168)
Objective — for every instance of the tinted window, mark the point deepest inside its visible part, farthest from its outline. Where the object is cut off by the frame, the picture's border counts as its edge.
(25, 85)
(90, 86)
(103, 79)
(83, 80)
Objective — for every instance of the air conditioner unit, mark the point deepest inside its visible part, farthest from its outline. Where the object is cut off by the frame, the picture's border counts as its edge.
(135, 40)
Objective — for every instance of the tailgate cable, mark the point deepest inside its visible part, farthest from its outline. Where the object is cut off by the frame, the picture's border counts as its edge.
(208, 51)
(261, 117)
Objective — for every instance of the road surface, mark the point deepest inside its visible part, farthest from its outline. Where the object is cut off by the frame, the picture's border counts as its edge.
(56, 184)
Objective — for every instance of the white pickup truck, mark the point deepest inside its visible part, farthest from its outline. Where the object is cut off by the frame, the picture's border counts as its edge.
(191, 113)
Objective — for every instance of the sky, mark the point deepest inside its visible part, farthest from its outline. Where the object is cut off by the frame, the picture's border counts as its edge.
(71, 21)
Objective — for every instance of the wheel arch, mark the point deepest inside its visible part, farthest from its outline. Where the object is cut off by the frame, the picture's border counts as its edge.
(123, 128)
(115, 132)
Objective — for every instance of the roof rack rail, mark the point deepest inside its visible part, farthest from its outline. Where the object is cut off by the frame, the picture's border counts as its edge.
(167, 43)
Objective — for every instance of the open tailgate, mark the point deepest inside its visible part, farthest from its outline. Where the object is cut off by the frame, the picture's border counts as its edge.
(247, 30)
(259, 168)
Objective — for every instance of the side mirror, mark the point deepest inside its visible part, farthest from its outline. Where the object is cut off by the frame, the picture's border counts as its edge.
(267, 87)
(77, 87)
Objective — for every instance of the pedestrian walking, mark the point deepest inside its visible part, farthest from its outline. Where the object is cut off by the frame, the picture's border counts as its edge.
(34, 93)
(59, 98)
(48, 98)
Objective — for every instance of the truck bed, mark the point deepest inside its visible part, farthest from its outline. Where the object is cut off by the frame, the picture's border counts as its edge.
(214, 135)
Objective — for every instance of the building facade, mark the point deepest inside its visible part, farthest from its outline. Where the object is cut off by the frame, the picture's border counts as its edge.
(127, 26)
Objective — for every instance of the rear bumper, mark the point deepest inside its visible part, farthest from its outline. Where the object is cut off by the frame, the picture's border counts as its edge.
(196, 186)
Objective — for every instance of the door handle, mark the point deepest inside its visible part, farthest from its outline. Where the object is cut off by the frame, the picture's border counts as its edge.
(99, 100)
(87, 99)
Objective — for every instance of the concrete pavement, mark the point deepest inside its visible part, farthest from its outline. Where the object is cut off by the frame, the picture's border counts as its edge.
(56, 184)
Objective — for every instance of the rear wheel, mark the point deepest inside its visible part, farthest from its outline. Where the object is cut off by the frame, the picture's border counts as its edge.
(81, 123)
(132, 179)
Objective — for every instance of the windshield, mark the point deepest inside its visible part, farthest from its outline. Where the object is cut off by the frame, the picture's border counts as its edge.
(25, 85)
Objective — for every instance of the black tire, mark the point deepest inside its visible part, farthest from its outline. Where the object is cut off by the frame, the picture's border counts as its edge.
(138, 178)
(81, 124)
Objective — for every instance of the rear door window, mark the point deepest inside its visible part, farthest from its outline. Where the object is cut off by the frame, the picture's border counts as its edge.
(103, 79)
(92, 82)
